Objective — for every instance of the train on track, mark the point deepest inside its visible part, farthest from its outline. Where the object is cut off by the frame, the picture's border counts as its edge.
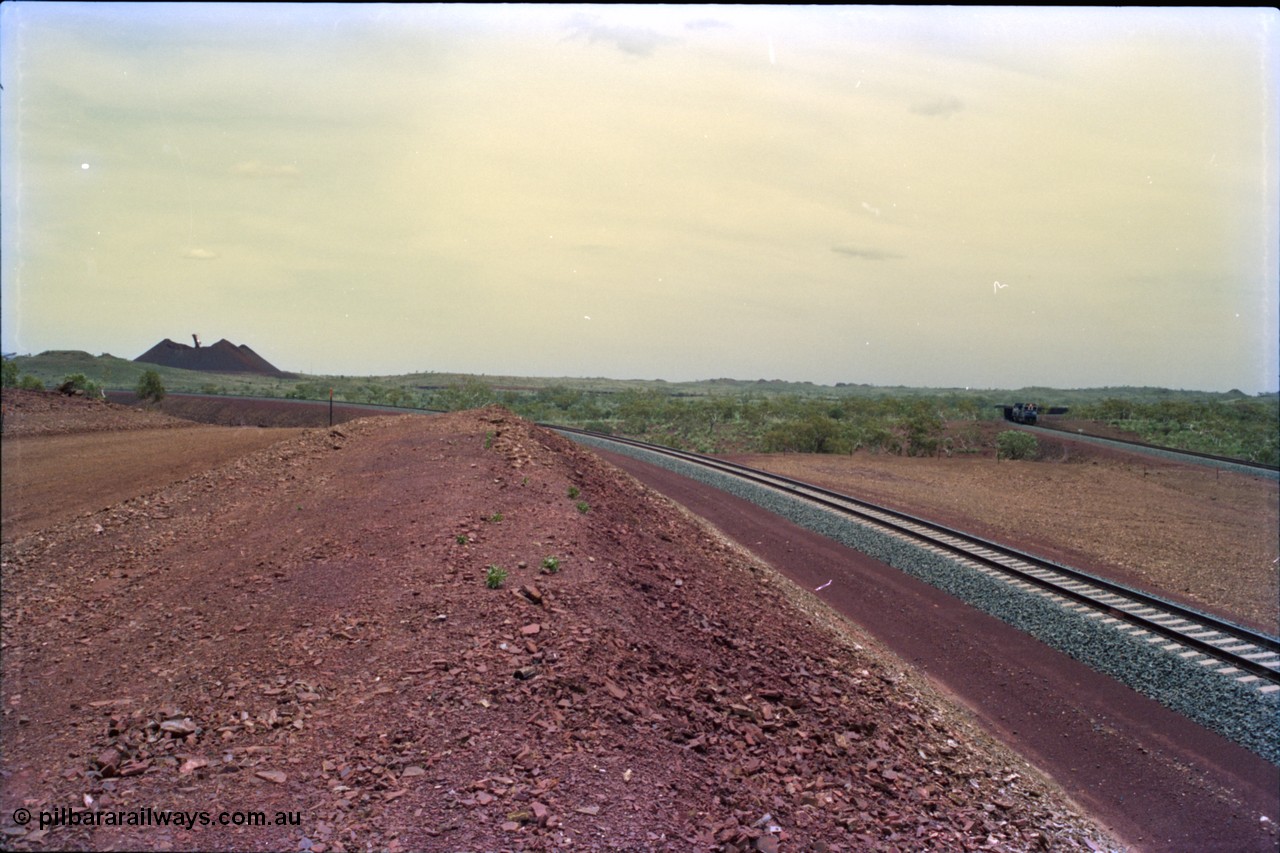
(1029, 413)
(1022, 413)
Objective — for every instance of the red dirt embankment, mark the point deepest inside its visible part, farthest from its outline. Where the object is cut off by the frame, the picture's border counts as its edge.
(308, 629)
(29, 413)
(236, 411)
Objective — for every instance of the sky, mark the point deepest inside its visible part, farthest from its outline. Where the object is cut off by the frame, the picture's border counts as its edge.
(945, 197)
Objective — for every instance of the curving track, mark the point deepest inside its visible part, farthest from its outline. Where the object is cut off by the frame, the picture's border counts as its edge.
(1161, 779)
(1246, 657)
(1232, 651)
(1230, 462)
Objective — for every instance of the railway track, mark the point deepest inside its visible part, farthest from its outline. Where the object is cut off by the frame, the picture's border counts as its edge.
(1249, 658)
(1244, 465)
(1231, 651)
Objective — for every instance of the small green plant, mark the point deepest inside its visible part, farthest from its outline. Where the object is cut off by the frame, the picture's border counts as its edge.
(573, 492)
(496, 517)
(488, 440)
(30, 383)
(494, 577)
(551, 564)
(1016, 444)
(461, 539)
(584, 507)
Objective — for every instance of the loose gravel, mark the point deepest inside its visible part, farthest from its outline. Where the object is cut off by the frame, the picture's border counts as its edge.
(1236, 711)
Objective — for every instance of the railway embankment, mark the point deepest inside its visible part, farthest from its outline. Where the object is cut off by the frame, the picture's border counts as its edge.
(1211, 691)
(466, 632)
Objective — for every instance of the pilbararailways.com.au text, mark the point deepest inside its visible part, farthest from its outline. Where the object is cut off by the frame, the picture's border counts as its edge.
(66, 816)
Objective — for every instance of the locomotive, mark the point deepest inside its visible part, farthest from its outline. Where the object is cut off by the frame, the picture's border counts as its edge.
(1022, 413)
(1029, 413)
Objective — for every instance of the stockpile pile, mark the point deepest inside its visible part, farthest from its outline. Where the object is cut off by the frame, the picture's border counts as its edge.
(222, 357)
(464, 632)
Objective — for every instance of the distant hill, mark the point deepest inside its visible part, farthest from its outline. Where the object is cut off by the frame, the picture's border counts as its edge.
(222, 357)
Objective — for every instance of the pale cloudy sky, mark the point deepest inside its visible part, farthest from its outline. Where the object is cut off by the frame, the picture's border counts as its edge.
(939, 196)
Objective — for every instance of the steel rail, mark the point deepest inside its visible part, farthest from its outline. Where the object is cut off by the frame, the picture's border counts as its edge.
(1184, 625)
(1142, 445)
(1202, 632)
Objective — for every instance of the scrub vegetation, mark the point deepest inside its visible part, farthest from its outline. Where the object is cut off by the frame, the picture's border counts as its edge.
(1015, 444)
(1243, 428)
(150, 387)
(728, 416)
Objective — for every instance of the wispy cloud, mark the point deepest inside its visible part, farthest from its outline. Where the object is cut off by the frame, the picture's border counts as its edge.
(866, 254)
(941, 107)
(199, 255)
(257, 169)
(637, 41)
(705, 24)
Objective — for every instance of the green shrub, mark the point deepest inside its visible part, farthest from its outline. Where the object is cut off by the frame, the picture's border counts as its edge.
(461, 539)
(573, 492)
(551, 564)
(494, 577)
(1016, 444)
(469, 394)
(10, 373)
(817, 433)
(30, 383)
(79, 385)
(584, 507)
(150, 387)
(1244, 428)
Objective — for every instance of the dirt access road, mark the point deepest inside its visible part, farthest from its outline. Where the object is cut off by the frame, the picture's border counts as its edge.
(51, 477)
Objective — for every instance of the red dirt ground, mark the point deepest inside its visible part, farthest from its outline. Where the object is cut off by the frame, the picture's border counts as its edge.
(1155, 778)
(309, 609)
(1188, 532)
(308, 629)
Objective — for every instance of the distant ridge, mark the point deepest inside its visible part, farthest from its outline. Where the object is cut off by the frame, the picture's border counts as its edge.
(222, 357)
